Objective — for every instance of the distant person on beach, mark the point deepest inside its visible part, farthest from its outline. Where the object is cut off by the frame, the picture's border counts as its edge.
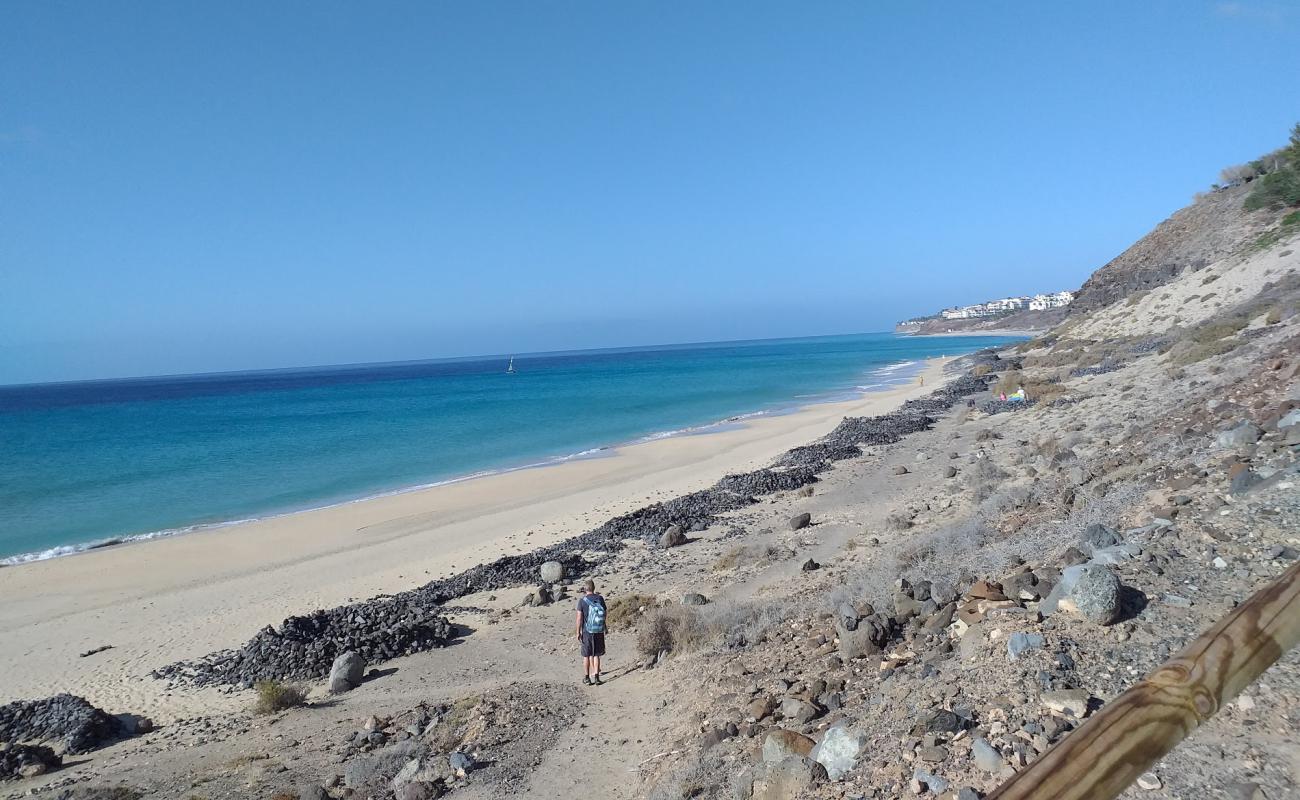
(591, 632)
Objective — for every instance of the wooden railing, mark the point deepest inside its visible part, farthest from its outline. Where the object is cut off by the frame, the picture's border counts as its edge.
(1136, 729)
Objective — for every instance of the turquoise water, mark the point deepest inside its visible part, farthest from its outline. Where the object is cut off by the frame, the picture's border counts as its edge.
(87, 462)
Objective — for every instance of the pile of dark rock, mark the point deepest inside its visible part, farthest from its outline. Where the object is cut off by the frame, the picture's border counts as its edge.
(1001, 406)
(26, 761)
(68, 721)
(1109, 365)
(305, 647)
(785, 478)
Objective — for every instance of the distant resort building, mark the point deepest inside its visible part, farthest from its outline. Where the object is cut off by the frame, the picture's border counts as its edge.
(994, 308)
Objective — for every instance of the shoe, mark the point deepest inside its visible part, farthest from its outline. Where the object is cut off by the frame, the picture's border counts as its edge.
(596, 680)
(586, 680)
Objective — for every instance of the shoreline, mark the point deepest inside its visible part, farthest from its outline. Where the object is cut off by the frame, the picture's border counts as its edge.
(980, 332)
(183, 597)
(895, 374)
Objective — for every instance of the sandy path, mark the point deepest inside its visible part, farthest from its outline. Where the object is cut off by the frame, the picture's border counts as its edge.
(182, 597)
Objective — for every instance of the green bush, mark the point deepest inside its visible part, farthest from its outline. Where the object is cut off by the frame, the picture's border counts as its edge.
(1280, 188)
(1190, 352)
(1213, 332)
(273, 696)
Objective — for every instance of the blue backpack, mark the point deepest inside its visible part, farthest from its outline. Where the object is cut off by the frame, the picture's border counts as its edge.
(595, 619)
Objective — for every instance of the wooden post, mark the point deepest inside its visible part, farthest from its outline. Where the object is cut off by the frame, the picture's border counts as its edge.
(1136, 729)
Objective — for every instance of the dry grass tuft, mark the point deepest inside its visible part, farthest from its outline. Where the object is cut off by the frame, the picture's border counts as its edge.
(273, 696)
(751, 555)
(627, 611)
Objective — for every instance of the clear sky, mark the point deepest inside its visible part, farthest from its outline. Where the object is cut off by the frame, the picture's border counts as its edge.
(192, 187)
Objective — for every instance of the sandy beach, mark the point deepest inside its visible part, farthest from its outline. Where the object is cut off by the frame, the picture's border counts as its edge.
(159, 601)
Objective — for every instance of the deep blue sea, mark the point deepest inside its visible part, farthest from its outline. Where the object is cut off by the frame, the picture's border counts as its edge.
(82, 463)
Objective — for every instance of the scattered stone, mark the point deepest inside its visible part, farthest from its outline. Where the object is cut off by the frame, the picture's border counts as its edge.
(799, 521)
(1020, 643)
(943, 721)
(694, 599)
(810, 565)
(1149, 781)
(1070, 702)
(950, 472)
(799, 710)
(933, 783)
(986, 756)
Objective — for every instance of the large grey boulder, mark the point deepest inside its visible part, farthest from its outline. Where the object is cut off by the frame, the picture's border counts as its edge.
(1096, 594)
(800, 521)
(838, 751)
(346, 672)
(1090, 589)
(1240, 436)
(868, 637)
(780, 744)
(672, 537)
(552, 572)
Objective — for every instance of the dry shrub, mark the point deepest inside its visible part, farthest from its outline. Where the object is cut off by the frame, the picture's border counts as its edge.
(671, 628)
(898, 521)
(718, 626)
(627, 610)
(1136, 298)
(1274, 316)
(703, 777)
(1214, 331)
(750, 555)
(273, 696)
(1049, 445)
(981, 369)
(984, 477)
(1186, 353)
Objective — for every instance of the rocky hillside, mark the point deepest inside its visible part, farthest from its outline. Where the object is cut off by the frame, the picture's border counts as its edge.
(1208, 230)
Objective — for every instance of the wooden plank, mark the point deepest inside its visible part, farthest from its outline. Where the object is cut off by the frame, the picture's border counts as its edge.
(1132, 732)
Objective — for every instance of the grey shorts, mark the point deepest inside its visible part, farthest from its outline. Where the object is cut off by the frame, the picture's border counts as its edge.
(593, 644)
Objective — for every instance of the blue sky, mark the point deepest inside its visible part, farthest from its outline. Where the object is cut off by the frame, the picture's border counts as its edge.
(194, 187)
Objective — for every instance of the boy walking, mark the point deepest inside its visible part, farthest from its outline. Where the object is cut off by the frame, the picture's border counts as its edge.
(591, 632)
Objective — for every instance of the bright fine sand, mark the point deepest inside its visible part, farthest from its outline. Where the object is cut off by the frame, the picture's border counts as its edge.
(160, 601)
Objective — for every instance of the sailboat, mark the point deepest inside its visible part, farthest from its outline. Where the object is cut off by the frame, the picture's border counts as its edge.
(510, 368)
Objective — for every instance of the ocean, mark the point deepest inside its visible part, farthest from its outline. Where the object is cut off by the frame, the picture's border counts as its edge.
(88, 463)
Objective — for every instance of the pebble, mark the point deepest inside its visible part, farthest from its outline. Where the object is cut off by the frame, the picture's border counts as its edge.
(1149, 781)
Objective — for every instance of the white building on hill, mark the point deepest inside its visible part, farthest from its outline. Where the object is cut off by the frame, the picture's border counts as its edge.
(1038, 302)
